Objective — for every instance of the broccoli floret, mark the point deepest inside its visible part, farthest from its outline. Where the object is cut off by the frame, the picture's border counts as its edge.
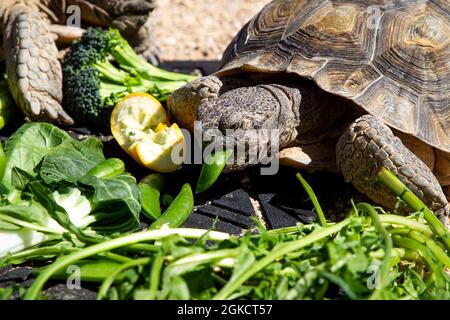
(102, 68)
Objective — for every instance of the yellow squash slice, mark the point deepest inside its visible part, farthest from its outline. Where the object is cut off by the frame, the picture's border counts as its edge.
(140, 125)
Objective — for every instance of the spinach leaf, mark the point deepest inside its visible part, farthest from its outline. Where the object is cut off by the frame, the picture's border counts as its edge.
(20, 178)
(114, 200)
(28, 145)
(70, 160)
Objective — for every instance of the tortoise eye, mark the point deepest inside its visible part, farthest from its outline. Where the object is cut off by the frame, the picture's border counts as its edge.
(234, 126)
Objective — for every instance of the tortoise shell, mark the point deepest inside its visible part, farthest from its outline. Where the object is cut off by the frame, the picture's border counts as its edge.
(390, 57)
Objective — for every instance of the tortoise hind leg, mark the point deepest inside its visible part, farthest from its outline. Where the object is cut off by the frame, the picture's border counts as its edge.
(34, 73)
(366, 146)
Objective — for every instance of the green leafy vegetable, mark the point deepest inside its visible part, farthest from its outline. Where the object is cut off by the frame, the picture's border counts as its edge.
(116, 202)
(85, 219)
(340, 261)
(54, 195)
(28, 145)
(70, 160)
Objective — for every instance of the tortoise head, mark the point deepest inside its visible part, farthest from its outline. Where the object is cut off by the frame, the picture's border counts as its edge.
(253, 120)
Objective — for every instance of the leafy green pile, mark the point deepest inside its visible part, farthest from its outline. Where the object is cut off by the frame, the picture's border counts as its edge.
(369, 255)
(345, 260)
(47, 194)
(61, 200)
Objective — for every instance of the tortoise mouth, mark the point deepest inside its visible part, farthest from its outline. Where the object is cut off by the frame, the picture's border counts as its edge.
(249, 147)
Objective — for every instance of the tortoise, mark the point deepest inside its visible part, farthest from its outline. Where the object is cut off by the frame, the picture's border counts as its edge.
(29, 29)
(351, 86)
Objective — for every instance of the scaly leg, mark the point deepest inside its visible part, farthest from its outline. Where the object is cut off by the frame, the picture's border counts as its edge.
(369, 144)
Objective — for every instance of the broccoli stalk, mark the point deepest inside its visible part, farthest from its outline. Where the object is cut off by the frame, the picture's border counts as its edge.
(102, 68)
(127, 58)
(123, 81)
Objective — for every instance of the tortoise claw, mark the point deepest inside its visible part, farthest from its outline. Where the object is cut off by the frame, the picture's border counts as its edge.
(65, 34)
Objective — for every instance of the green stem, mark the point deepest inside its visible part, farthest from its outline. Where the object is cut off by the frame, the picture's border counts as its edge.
(112, 277)
(115, 257)
(437, 251)
(35, 289)
(162, 85)
(205, 257)
(384, 274)
(392, 182)
(287, 230)
(277, 253)
(162, 74)
(110, 72)
(155, 275)
(126, 56)
(407, 222)
(30, 226)
(37, 253)
(141, 247)
(314, 200)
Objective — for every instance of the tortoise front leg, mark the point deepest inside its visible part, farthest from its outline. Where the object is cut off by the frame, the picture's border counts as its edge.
(34, 73)
(369, 144)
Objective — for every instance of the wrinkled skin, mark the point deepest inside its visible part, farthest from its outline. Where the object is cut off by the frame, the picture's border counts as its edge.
(31, 30)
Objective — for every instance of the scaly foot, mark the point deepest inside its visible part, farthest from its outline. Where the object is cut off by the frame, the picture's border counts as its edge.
(369, 144)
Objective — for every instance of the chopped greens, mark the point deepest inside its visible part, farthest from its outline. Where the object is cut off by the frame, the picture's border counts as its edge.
(345, 260)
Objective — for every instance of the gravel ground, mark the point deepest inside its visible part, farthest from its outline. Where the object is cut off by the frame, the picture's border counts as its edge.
(199, 29)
